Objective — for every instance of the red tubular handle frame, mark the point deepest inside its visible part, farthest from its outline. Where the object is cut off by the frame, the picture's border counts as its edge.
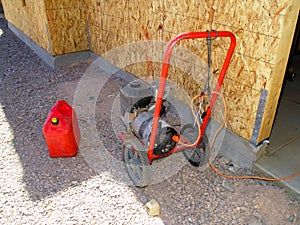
(164, 75)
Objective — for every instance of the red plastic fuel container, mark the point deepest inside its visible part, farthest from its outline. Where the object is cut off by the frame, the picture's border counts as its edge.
(61, 130)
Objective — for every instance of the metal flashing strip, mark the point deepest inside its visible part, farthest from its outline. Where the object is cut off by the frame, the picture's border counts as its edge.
(54, 62)
(259, 116)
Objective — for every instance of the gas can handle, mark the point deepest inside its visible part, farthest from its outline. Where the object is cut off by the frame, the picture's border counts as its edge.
(60, 105)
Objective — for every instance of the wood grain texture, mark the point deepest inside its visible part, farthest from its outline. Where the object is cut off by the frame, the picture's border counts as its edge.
(257, 24)
(111, 27)
(67, 30)
(29, 18)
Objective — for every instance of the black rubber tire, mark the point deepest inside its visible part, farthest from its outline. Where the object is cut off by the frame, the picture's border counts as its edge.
(136, 162)
(196, 156)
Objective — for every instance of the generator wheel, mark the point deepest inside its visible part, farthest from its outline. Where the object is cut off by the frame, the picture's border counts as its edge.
(196, 156)
(136, 162)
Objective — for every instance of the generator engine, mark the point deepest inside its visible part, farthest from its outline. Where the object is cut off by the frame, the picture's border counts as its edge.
(137, 106)
(142, 127)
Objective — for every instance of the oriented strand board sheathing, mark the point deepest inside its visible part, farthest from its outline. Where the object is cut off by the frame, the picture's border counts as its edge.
(30, 18)
(199, 10)
(242, 107)
(247, 39)
(183, 23)
(142, 21)
(67, 27)
(123, 31)
(245, 70)
(259, 16)
(65, 4)
(97, 45)
(257, 25)
(111, 24)
(59, 25)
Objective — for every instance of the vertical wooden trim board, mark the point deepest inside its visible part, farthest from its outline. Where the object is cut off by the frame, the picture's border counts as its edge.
(277, 76)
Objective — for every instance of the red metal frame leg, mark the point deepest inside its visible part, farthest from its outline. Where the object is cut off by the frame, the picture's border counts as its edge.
(164, 76)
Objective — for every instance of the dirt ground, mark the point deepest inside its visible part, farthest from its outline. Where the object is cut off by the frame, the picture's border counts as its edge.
(92, 188)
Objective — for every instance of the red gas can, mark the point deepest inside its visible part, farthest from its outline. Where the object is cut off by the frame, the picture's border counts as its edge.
(61, 130)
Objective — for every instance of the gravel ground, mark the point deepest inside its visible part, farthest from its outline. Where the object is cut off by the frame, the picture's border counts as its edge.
(92, 187)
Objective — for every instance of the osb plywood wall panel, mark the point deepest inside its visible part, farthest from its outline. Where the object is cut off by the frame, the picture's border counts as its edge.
(65, 26)
(257, 25)
(276, 78)
(109, 25)
(30, 18)
(68, 31)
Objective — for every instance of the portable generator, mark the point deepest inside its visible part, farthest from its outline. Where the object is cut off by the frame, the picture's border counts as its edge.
(148, 136)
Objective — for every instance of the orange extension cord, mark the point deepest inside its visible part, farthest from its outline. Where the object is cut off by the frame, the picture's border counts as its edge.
(214, 139)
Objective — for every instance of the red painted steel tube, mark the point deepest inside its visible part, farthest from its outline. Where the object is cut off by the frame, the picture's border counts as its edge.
(164, 75)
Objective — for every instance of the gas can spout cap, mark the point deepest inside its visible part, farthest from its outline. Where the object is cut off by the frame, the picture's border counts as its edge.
(54, 121)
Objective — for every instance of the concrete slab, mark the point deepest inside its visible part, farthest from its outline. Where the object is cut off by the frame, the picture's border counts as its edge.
(283, 157)
(292, 90)
(287, 126)
(281, 164)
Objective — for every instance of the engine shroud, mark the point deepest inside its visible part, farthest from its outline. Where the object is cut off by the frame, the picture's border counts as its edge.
(136, 92)
(142, 127)
(137, 107)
